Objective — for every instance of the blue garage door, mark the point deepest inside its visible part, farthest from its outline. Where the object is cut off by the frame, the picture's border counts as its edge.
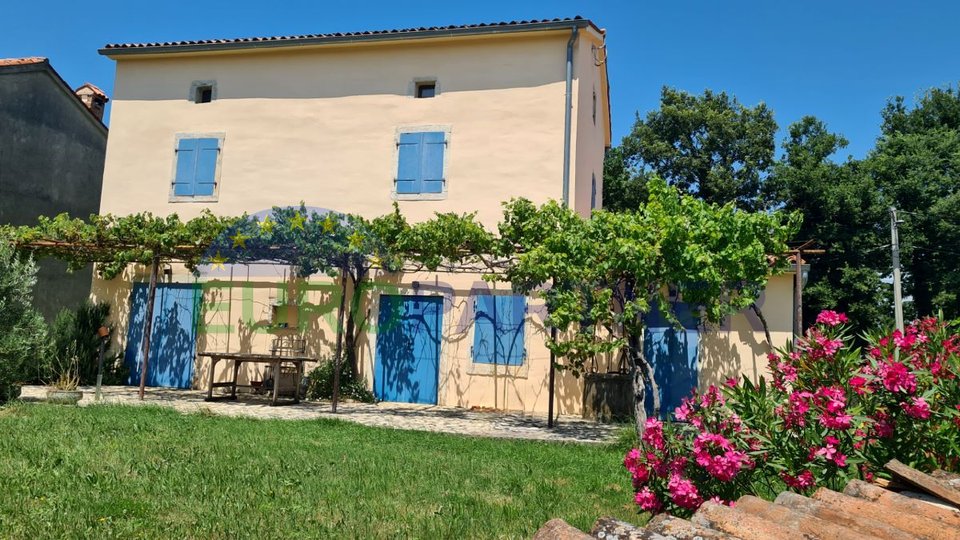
(173, 338)
(673, 354)
(408, 348)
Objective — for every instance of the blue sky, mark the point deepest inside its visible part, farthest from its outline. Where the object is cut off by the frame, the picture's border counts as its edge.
(839, 60)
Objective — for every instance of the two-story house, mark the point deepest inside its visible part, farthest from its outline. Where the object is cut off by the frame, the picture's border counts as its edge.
(441, 119)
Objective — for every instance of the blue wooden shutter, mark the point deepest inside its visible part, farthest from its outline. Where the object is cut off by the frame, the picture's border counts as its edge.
(409, 163)
(185, 182)
(510, 318)
(208, 150)
(431, 167)
(484, 330)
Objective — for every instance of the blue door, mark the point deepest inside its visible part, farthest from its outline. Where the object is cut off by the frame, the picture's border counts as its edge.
(673, 354)
(408, 348)
(173, 337)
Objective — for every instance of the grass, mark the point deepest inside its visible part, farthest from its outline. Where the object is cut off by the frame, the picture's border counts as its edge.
(142, 472)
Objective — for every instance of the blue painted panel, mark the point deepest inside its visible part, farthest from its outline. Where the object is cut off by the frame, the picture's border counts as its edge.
(408, 348)
(185, 181)
(511, 318)
(173, 336)
(673, 353)
(498, 336)
(408, 163)
(484, 329)
(431, 167)
(208, 150)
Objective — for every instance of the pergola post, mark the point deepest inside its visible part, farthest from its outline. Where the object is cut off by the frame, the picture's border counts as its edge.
(148, 324)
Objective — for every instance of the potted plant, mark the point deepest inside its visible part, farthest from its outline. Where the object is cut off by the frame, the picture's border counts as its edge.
(63, 389)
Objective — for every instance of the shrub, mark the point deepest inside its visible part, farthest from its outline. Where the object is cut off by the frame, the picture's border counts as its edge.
(831, 413)
(352, 387)
(73, 334)
(22, 330)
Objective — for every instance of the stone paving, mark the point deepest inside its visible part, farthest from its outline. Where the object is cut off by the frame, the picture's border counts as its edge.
(506, 425)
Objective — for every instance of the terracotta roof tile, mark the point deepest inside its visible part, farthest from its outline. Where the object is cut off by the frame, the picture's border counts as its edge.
(398, 32)
(22, 61)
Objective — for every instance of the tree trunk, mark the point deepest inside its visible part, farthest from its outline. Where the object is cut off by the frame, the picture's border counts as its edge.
(148, 325)
(336, 358)
(350, 333)
(763, 322)
(642, 376)
(639, 386)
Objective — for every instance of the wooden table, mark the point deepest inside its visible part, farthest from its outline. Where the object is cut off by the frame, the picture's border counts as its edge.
(240, 358)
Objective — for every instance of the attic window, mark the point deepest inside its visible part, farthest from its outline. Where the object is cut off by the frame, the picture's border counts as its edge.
(204, 94)
(427, 89)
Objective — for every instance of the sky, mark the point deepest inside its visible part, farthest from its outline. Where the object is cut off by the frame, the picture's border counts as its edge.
(839, 60)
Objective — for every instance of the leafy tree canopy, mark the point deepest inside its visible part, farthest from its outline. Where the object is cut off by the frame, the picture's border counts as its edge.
(601, 276)
(843, 212)
(916, 164)
(709, 145)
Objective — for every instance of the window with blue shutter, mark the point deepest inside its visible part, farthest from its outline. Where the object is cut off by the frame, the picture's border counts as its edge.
(498, 336)
(196, 171)
(420, 162)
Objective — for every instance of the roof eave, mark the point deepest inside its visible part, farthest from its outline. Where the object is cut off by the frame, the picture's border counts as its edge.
(112, 52)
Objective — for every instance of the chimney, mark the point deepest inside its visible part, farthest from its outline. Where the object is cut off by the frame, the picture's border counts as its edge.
(93, 98)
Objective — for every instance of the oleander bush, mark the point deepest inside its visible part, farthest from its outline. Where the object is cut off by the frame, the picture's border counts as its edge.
(831, 412)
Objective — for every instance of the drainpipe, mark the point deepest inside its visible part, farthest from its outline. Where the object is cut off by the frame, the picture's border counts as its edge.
(567, 113)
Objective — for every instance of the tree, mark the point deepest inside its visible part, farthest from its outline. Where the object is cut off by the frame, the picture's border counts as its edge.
(843, 213)
(601, 276)
(916, 164)
(22, 330)
(709, 145)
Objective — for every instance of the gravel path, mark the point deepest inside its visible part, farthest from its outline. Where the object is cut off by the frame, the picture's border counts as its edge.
(393, 415)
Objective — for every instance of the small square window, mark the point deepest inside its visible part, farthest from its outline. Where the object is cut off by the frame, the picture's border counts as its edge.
(426, 90)
(204, 94)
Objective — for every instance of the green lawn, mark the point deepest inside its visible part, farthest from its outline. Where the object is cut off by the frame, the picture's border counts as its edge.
(138, 472)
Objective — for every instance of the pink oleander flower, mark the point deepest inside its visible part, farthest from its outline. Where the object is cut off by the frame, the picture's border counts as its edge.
(633, 459)
(713, 396)
(653, 434)
(904, 341)
(858, 384)
(647, 501)
(718, 457)
(716, 499)
(897, 378)
(829, 346)
(731, 382)
(683, 412)
(802, 481)
(883, 425)
(917, 408)
(831, 318)
(832, 399)
(835, 421)
(684, 493)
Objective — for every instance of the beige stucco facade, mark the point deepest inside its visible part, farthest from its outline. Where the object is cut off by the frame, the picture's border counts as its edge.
(319, 124)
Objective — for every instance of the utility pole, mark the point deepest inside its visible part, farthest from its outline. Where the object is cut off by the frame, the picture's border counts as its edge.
(895, 246)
